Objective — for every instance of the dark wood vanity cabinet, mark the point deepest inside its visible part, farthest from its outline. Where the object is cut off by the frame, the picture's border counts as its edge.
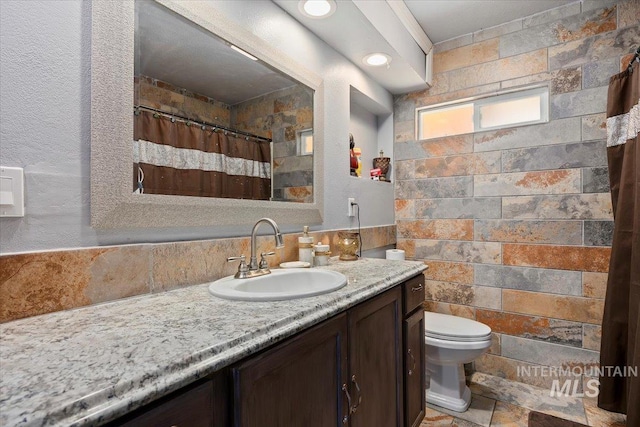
(414, 375)
(361, 368)
(192, 406)
(375, 377)
(344, 372)
(297, 383)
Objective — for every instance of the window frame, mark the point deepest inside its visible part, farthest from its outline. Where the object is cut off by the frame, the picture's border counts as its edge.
(299, 139)
(480, 101)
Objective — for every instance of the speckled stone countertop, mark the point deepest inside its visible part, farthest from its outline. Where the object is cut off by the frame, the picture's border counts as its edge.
(90, 365)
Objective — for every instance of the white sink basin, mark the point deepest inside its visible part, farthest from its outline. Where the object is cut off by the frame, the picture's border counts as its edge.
(283, 284)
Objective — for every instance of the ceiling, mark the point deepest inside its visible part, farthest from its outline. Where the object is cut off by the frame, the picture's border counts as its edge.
(174, 50)
(359, 27)
(446, 19)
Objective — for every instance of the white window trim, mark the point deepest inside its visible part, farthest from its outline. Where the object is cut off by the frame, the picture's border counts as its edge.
(481, 100)
(299, 135)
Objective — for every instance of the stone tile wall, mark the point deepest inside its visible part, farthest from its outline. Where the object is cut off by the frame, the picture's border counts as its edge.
(280, 115)
(44, 282)
(172, 99)
(516, 224)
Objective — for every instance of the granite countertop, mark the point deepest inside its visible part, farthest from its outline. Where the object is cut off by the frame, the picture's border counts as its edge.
(90, 365)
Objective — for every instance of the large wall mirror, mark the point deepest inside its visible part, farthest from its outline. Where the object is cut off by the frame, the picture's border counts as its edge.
(196, 121)
(213, 120)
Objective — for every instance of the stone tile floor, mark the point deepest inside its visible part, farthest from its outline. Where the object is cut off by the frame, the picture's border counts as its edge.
(497, 402)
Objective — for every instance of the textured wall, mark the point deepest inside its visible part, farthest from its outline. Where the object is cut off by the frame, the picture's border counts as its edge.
(279, 115)
(516, 224)
(154, 93)
(44, 282)
(45, 63)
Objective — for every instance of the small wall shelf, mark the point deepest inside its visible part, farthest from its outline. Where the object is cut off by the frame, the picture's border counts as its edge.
(371, 125)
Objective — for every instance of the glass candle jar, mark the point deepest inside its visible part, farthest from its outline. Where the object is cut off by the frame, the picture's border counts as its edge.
(348, 244)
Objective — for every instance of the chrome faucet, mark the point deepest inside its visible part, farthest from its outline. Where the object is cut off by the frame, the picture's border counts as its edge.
(254, 269)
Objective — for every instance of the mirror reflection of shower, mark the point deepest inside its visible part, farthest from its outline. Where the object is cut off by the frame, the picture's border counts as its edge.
(212, 120)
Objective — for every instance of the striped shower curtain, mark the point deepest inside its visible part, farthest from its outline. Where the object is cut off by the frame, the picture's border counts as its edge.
(621, 324)
(187, 160)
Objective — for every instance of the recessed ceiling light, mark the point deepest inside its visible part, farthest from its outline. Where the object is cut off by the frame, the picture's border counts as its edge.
(317, 8)
(377, 59)
(248, 55)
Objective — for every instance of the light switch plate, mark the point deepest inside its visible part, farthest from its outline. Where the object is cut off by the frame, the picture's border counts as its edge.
(11, 192)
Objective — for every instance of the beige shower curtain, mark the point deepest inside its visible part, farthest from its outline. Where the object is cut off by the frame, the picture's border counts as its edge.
(185, 160)
(621, 324)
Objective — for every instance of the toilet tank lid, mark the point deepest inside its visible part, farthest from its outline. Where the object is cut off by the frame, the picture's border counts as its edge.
(454, 326)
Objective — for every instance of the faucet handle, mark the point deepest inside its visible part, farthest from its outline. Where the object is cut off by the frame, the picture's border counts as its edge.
(263, 260)
(242, 258)
(243, 268)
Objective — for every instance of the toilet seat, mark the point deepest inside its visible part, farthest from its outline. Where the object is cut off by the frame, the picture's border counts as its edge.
(459, 339)
(452, 328)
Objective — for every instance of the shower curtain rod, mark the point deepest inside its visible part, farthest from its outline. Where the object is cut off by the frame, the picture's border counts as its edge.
(247, 135)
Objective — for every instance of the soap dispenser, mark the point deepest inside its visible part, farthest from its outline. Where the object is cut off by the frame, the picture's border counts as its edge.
(305, 246)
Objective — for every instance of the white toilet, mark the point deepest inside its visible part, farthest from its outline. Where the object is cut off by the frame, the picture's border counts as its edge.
(450, 343)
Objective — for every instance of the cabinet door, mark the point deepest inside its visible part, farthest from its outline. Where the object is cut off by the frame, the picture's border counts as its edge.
(414, 369)
(189, 407)
(297, 383)
(375, 361)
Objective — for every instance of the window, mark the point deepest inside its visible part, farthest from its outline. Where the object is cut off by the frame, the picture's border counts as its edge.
(305, 142)
(445, 121)
(523, 107)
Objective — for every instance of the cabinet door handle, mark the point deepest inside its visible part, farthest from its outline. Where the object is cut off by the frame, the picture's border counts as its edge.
(417, 288)
(345, 419)
(413, 362)
(355, 382)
